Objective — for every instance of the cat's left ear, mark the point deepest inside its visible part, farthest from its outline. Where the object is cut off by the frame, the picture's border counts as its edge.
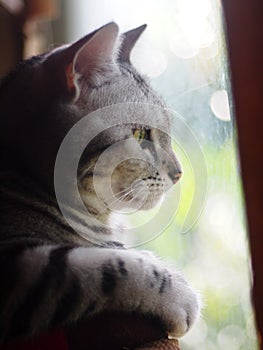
(129, 39)
(92, 57)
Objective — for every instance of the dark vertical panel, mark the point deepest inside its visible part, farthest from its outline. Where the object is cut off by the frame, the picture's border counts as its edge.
(244, 22)
(11, 41)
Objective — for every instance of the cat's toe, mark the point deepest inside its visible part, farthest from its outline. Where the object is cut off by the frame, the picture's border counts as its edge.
(182, 322)
(183, 311)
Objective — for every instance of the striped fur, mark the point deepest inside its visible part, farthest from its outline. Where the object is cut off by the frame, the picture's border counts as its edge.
(54, 285)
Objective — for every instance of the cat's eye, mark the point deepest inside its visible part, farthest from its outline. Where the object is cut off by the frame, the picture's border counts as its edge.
(141, 134)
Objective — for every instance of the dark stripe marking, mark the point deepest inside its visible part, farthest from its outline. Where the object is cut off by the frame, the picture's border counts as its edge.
(35, 207)
(166, 282)
(156, 273)
(9, 259)
(68, 303)
(163, 285)
(122, 268)
(8, 269)
(109, 278)
(51, 278)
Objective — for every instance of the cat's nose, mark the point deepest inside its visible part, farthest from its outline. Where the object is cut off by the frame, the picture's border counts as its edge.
(174, 171)
(175, 176)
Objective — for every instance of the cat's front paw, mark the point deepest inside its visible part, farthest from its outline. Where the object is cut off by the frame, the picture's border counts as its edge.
(168, 296)
(142, 283)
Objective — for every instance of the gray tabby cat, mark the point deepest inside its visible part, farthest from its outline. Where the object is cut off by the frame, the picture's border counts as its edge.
(50, 275)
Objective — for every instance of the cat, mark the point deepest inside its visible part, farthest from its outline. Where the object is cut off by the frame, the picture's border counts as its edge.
(51, 275)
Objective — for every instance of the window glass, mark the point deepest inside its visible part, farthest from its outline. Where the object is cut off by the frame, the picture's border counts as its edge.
(183, 52)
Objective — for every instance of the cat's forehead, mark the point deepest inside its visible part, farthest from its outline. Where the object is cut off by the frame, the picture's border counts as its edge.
(136, 110)
(126, 94)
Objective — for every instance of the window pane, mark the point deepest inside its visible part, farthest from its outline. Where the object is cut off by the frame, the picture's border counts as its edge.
(183, 52)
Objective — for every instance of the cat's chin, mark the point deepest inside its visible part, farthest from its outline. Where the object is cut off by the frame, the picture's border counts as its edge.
(149, 206)
(150, 203)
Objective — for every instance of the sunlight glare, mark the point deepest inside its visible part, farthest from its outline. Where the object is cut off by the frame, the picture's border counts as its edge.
(195, 29)
(149, 60)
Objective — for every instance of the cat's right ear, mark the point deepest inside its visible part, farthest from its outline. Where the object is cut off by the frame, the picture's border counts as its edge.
(129, 39)
(91, 57)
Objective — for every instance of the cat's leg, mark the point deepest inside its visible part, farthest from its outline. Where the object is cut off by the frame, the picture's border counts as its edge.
(49, 286)
(130, 280)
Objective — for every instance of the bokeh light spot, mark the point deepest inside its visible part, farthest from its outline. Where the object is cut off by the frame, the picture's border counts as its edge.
(219, 104)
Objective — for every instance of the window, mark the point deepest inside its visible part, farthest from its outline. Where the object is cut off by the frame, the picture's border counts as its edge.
(183, 51)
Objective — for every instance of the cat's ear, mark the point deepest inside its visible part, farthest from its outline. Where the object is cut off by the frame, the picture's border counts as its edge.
(98, 54)
(90, 57)
(129, 40)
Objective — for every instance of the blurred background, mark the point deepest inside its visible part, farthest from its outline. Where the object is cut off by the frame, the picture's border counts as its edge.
(183, 51)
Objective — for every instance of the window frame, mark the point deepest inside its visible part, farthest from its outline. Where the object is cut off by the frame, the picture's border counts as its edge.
(244, 29)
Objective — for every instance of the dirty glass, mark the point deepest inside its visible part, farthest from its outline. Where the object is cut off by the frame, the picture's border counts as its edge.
(184, 53)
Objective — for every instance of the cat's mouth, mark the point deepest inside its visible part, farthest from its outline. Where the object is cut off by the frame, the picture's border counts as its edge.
(141, 195)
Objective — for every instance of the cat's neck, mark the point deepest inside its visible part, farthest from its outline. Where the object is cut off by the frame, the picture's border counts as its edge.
(30, 213)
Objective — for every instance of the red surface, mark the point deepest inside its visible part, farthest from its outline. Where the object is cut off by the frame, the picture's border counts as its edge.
(107, 331)
(55, 340)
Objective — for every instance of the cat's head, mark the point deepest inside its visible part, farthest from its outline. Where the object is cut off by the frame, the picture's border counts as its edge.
(47, 95)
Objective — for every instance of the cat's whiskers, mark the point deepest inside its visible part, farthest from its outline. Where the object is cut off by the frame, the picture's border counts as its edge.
(108, 204)
(114, 195)
(119, 199)
(139, 193)
(136, 191)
